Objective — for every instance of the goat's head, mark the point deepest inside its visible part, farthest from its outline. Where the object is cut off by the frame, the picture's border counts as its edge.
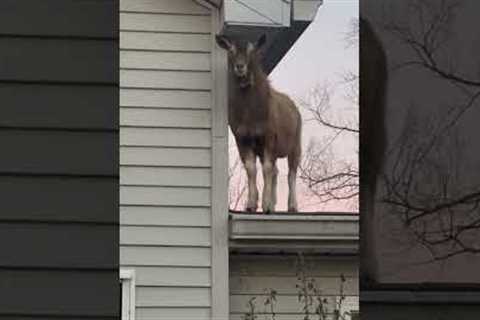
(243, 56)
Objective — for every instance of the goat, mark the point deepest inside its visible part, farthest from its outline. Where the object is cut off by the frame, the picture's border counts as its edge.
(266, 123)
(373, 84)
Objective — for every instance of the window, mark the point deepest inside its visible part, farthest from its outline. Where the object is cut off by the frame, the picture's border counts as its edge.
(127, 283)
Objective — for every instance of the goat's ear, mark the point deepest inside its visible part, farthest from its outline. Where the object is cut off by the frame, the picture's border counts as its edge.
(223, 42)
(261, 41)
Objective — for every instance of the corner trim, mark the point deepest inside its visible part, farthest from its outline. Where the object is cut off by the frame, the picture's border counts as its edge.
(219, 188)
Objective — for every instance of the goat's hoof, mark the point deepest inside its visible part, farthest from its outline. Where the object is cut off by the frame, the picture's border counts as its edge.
(292, 209)
(268, 210)
(251, 209)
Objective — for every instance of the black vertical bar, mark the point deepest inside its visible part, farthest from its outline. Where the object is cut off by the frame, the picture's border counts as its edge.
(59, 180)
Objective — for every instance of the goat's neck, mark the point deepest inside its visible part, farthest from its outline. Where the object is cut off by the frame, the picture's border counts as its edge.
(248, 107)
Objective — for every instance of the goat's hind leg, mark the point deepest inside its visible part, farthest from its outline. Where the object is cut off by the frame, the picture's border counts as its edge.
(274, 185)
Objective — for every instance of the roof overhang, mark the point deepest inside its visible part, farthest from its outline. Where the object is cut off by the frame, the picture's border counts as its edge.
(325, 233)
(283, 21)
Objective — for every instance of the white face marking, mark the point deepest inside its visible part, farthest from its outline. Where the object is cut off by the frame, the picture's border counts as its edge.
(250, 48)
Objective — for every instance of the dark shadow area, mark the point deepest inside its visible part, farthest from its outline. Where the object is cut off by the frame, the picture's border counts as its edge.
(420, 204)
(59, 164)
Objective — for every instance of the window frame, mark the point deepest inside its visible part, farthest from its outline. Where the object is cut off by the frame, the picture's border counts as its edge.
(127, 279)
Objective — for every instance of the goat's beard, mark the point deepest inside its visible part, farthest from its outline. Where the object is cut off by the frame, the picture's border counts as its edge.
(245, 81)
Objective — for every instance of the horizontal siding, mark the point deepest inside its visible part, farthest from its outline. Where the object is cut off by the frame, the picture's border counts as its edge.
(171, 137)
(165, 216)
(279, 316)
(165, 156)
(66, 106)
(285, 304)
(20, 317)
(59, 163)
(179, 313)
(69, 242)
(165, 60)
(165, 79)
(172, 297)
(92, 295)
(164, 23)
(165, 41)
(165, 196)
(286, 266)
(165, 118)
(163, 176)
(173, 276)
(51, 60)
(286, 284)
(169, 236)
(164, 6)
(170, 157)
(55, 199)
(164, 98)
(34, 152)
(165, 256)
(59, 18)
(251, 276)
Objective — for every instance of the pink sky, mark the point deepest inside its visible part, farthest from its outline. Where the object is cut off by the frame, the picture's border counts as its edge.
(320, 55)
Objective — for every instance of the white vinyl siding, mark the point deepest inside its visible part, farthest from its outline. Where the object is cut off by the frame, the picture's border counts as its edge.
(165, 156)
(250, 276)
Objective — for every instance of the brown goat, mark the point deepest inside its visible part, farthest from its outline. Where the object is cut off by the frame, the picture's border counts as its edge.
(373, 84)
(265, 123)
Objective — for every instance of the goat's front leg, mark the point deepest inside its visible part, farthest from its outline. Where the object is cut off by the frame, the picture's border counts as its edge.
(293, 161)
(268, 204)
(251, 168)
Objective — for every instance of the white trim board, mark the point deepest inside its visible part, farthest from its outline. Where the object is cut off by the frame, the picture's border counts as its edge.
(127, 278)
(219, 171)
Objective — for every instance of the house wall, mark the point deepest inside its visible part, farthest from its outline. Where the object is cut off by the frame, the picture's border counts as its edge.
(166, 156)
(58, 165)
(250, 275)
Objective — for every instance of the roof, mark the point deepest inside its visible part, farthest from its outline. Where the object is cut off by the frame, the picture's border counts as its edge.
(325, 233)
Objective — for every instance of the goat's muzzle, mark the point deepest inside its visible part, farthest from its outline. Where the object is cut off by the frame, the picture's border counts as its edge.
(244, 81)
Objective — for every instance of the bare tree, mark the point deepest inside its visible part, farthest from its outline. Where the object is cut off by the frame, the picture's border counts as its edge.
(425, 185)
(327, 176)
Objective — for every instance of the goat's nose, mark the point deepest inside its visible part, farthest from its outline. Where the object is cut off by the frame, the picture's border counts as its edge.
(240, 67)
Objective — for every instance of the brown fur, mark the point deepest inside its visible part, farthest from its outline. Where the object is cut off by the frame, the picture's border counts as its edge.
(265, 123)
